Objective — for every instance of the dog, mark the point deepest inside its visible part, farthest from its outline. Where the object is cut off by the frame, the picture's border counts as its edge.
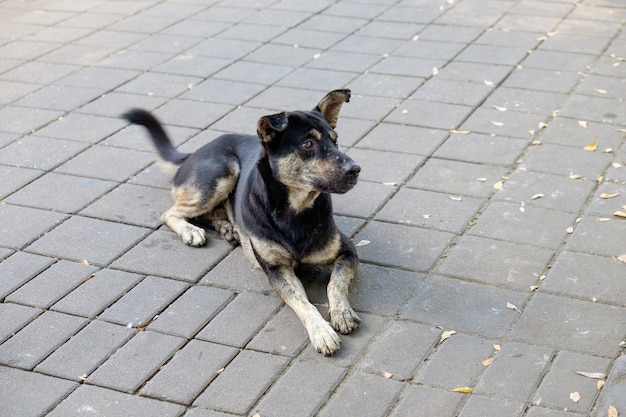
(271, 194)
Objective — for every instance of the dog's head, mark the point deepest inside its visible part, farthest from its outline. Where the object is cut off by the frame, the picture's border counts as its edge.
(302, 149)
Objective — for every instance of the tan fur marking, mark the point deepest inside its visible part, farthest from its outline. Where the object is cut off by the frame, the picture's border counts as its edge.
(333, 135)
(316, 134)
(272, 252)
(326, 255)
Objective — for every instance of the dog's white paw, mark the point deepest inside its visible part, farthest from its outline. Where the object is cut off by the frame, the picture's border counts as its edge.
(193, 235)
(344, 319)
(324, 339)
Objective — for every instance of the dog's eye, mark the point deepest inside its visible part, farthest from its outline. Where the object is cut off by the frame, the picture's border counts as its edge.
(308, 144)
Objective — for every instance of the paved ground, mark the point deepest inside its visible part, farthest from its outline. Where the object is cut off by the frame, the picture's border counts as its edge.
(485, 213)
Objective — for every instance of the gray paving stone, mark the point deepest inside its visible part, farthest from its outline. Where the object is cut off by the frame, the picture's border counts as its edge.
(429, 114)
(572, 161)
(399, 138)
(52, 284)
(542, 79)
(51, 192)
(352, 396)
(43, 394)
(105, 402)
(21, 233)
(490, 121)
(465, 306)
(557, 60)
(135, 362)
(422, 401)
(549, 412)
(598, 237)
(38, 152)
(566, 323)
(191, 311)
(400, 349)
(575, 274)
(200, 412)
(363, 200)
(236, 273)
(15, 317)
(477, 406)
(282, 335)
(562, 380)
(160, 85)
(85, 351)
(189, 372)
(534, 226)
(474, 71)
(38, 339)
(525, 101)
(455, 92)
(162, 253)
(482, 149)
(242, 382)
(568, 132)
(502, 264)
(287, 398)
(241, 319)
(384, 167)
(456, 362)
(97, 292)
(106, 240)
(527, 363)
(223, 91)
(615, 390)
(144, 301)
(19, 268)
(83, 127)
(418, 250)
(430, 210)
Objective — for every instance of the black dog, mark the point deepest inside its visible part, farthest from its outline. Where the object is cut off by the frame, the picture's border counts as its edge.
(271, 193)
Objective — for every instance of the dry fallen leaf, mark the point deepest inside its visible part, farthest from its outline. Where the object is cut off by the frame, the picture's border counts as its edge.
(465, 390)
(592, 146)
(455, 198)
(390, 183)
(497, 347)
(500, 108)
(537, 196)
(84, 262)
(600, 91)
(582, 123)
(481, 179)
(363, 243)
(575, 396)
(534, 288)
(446, 335)
(459, 132)
(620, 214)
(595, 375)
(570, 230)
(542, 125)
(499, 124)
(488, 361)
(386, 374)
(498, 185)
(512, 307)
(612, 411)
(575, 176)
(622, 258)
(600, 384)
(219, 371)
(405, 111)
(606, 196)
(488, 83)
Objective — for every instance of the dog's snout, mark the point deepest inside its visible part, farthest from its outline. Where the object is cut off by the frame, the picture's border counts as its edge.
(353, 170)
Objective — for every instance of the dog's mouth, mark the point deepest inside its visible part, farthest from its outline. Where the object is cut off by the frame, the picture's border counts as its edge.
(342, 183)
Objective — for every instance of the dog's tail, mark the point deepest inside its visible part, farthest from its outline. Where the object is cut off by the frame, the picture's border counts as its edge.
(161, 141)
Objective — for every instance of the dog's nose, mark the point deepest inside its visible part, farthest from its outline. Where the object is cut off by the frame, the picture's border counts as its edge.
(353, 171)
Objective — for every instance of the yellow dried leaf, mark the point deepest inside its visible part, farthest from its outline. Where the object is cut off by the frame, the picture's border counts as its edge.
(592, 146)
(455, 198)
(446, 335)
(488, 361)
(512, 307)
(575, 176)
(535, 142)
(606, 196)
(488, 83)
(405, 111)
(570, 230)
(582, 123)
(459, 132)
(497, 347)
(500, 108)
(575, 396)
(600, 91)
(481, 179)
(493, 122)
(219, 371)
(542, 125)
(537, 196)
(612, 411)
(390, 183)
(620, 214)
(534, 288)
(604, 219)
(594, 375)
(498, 185)
(363, 243)
(600, 384)
(464, 390)
(622, 258)
(84, 262)
(386, 374)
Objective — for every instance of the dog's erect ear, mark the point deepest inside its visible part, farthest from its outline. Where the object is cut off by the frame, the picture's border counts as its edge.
(268, 126)
(330, 105)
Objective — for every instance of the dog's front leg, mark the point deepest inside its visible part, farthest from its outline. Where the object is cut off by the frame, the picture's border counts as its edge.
(342, 316)
(284, 281)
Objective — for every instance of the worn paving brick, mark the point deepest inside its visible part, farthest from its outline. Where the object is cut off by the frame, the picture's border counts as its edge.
(354, 394)
(400, 138)
(231, 393)
(492, 122)
(191, 311)
(42, 395)
(135, 362)
(430, 114)
(15, 178)
(52, 284)
(191, 369)
(477, 406)
(82, 128)
(526, 362)
(550, 412)
(571, 161)
(282, 335)
(21, 233)
(515, 267)
(101, 402)
(19, 268)
(597, 237)
(422, 401)
(239, 321)
(450, 91)
(384, 167)
(287, 398)
(362, 200)
(162, 253)
(457, 362)
(571, 324)
(97, 293)
(236, 273)
(465, 306)
(561, 380)
(400, 349)
(484, 149)
(38, 339)
(14, 317)
(85, 351)
(67, 240)
(39, 152)
(139, 305)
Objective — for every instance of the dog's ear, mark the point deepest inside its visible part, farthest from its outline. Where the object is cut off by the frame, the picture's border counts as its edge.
(268, 126)
(330, 105)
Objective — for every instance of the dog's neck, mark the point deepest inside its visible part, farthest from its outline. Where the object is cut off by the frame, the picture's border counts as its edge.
(300, 200)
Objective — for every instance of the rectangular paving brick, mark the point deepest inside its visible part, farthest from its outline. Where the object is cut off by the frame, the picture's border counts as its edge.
(80, 355)
(38, 339)
(14, 317)
(52, 284)
(97, 293)
(241, 319)
(19, 268)
(136, 361)
(243, 381)
(137, 307)
(191, 311)
(30, 394)
(282, 335)
(477, 406)
(189, 372)
(21, 233)
(103, 402)
(420, 401)
(287, 398)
